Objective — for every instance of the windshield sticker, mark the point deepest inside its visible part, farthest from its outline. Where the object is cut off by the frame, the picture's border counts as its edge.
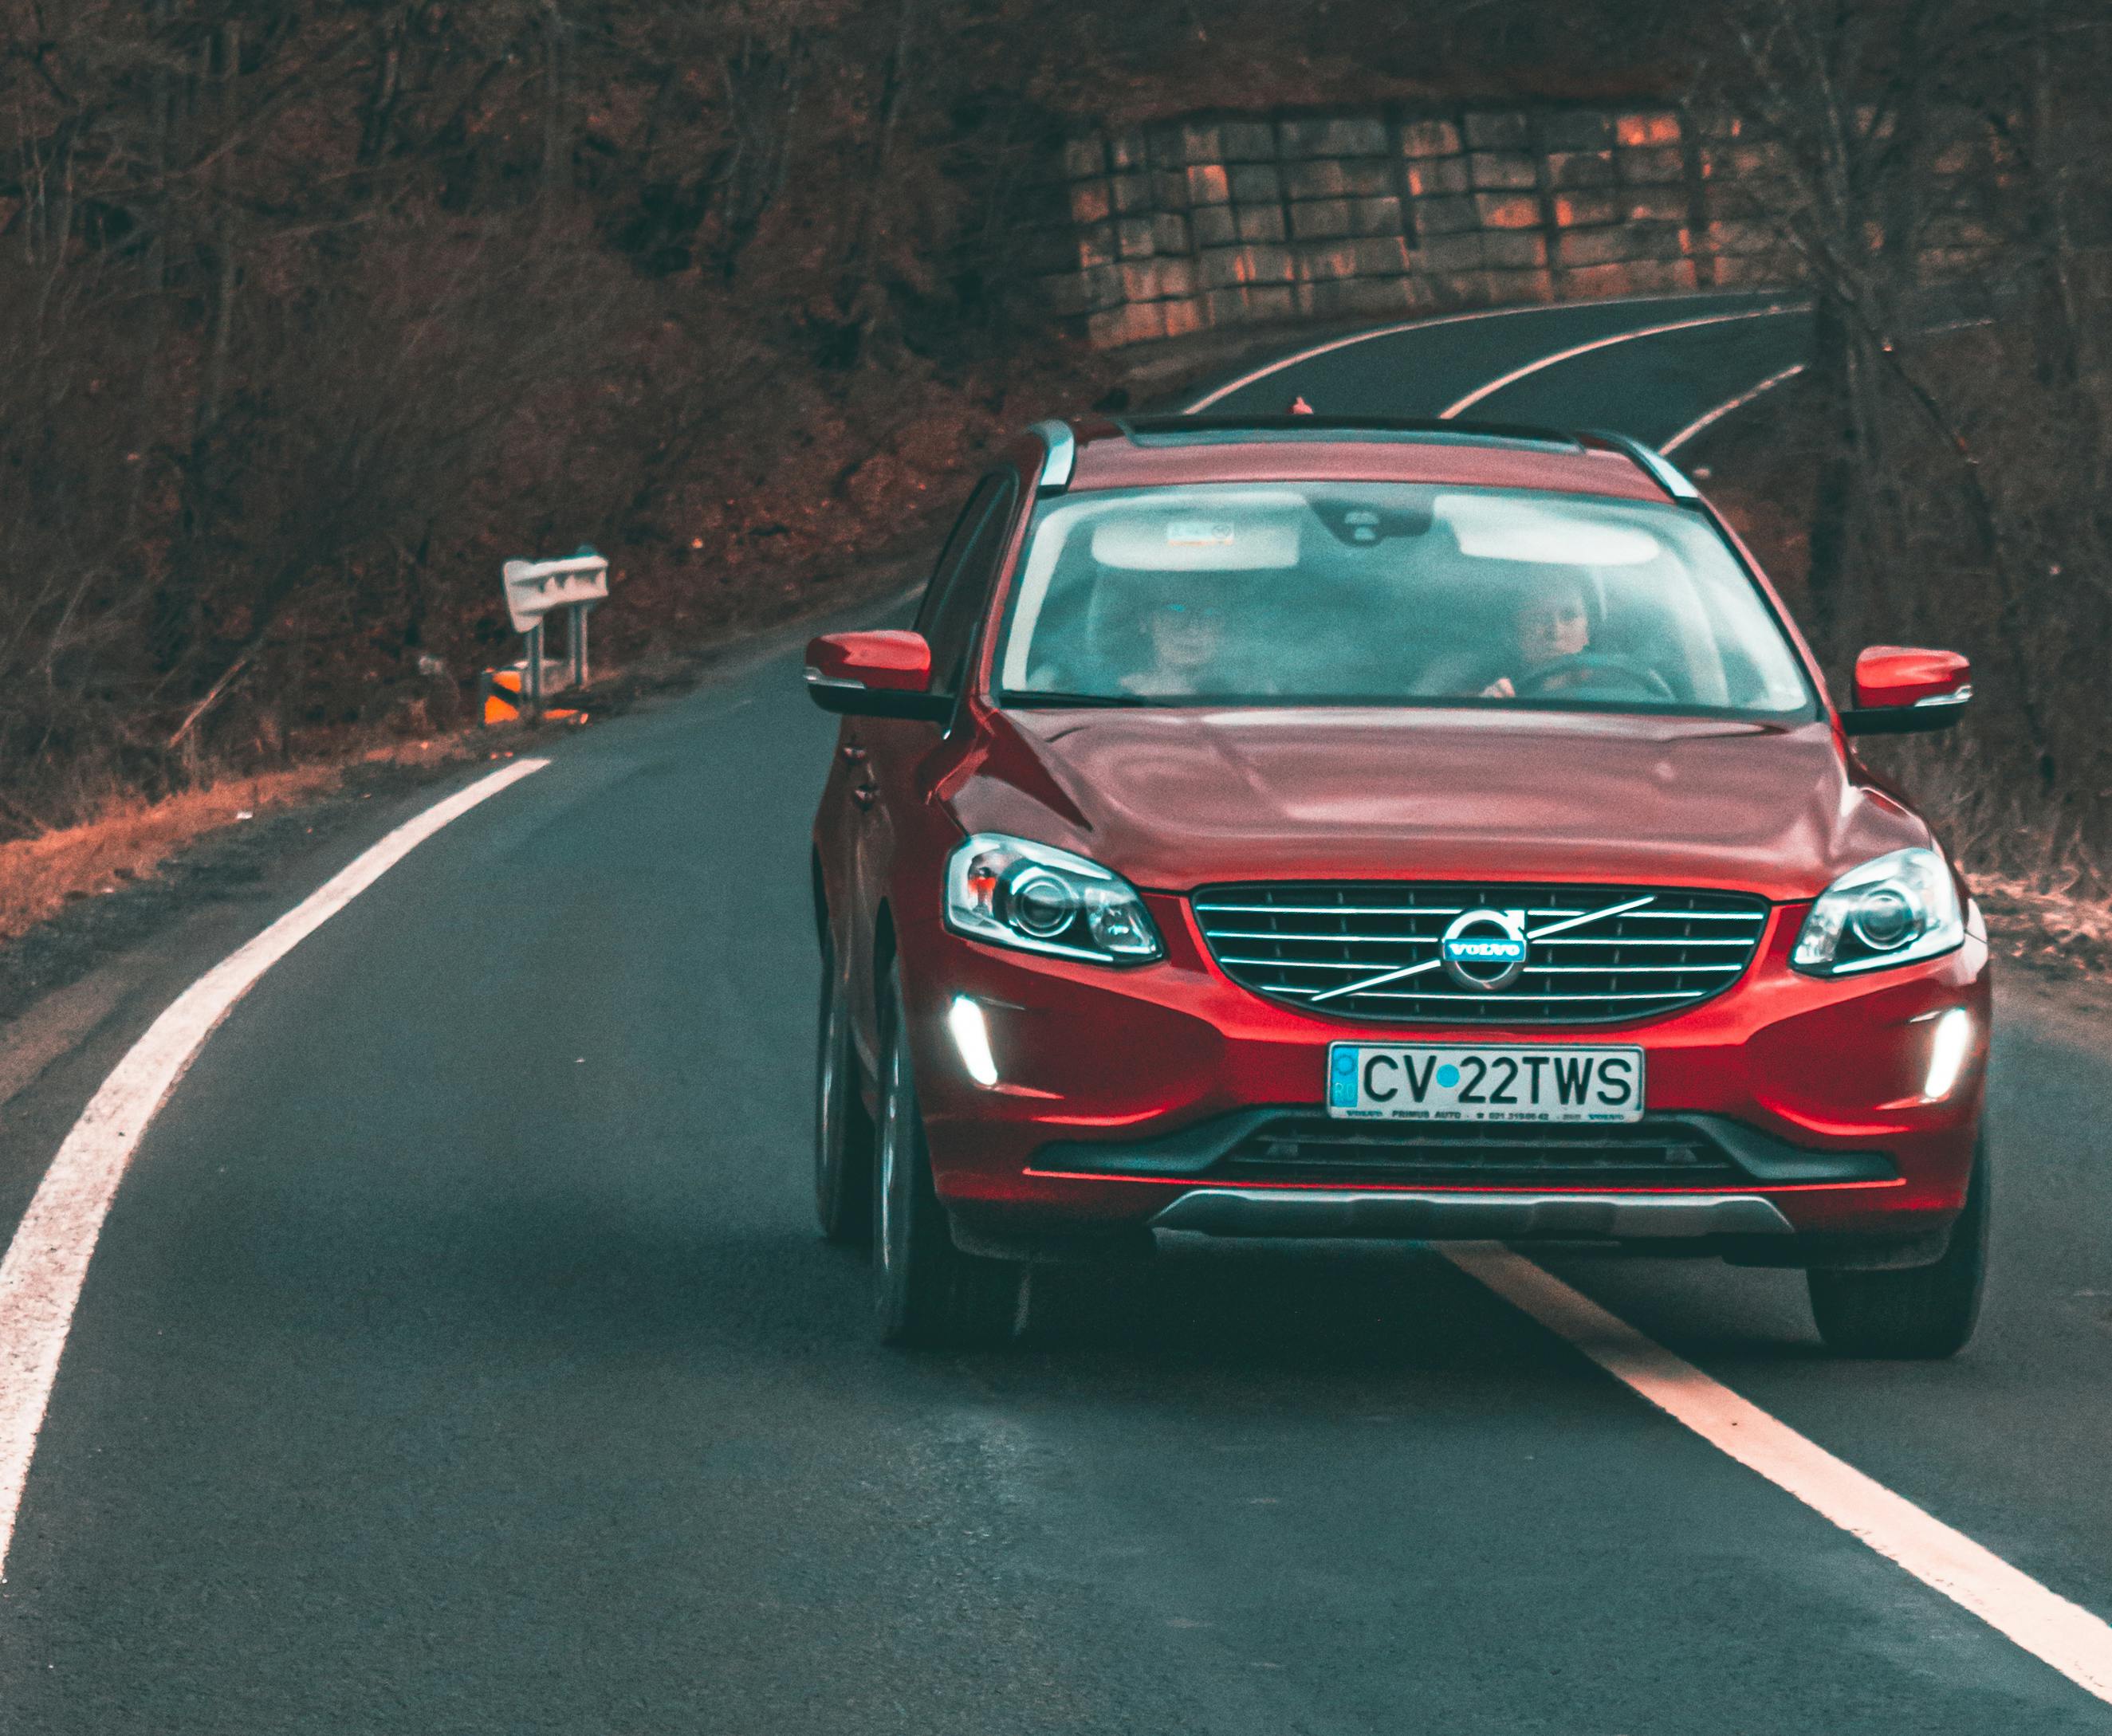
(1195, 545)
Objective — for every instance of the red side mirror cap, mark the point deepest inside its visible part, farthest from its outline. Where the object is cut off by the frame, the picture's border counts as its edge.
(1903, 689)
(884, 673)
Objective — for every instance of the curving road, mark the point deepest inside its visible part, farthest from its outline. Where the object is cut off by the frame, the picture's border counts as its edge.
(459, 1354)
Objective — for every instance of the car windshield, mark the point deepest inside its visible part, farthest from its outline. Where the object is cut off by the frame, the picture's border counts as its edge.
(1388, 593)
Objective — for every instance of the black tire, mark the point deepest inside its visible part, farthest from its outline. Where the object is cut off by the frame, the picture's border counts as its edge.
(926, 1291)
(1921, 1314)
(843, 1130)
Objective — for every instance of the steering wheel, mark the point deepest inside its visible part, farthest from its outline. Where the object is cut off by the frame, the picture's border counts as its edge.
(1626, 673)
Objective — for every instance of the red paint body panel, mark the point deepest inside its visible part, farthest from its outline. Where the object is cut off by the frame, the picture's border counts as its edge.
(1180, 798)
(1095, 1053)
(886, 659)
(1173, 798)
(1901, 674)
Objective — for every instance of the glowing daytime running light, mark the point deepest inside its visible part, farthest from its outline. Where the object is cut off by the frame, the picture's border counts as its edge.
(971, 1031)
(1947, 1050)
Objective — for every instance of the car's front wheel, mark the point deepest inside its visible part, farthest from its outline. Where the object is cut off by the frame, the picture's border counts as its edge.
(843, 1130)
(1921, 1314)
(926, 1291)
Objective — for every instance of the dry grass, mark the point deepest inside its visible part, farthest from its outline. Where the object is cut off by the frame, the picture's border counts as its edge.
(2061, 931)
(130, 838)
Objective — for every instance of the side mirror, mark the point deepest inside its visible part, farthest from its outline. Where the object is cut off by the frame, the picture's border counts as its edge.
(1901, 690)
(880, 673)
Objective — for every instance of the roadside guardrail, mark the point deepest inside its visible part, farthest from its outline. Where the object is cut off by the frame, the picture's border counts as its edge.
(573, 586)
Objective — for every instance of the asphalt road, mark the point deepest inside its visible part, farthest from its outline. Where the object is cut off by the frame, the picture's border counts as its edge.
(459, 1354)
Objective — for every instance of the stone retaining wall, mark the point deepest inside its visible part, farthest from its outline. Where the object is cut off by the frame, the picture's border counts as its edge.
(1226, 220)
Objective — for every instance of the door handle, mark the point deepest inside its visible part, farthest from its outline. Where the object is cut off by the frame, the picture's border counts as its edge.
(852, 752)
(863, 794)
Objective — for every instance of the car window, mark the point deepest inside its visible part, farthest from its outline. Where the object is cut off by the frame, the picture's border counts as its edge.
(960, 587)
(1381, 592)
(949, 557)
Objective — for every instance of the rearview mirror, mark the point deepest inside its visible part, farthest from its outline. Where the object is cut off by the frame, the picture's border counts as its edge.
(885, 673)
(1904, 690)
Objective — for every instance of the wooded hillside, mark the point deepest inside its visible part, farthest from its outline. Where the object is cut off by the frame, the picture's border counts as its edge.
(311, 313)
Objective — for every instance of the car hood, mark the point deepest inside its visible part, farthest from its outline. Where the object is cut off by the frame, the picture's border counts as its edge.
(1173, 798)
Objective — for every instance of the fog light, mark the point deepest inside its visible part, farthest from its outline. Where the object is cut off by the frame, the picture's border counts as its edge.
(1948, 1044)
(965, 1019)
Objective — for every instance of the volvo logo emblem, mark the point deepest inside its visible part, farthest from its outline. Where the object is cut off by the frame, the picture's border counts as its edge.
(1483, 949)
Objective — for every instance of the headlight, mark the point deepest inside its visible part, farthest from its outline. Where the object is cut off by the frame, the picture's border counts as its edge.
(1890, 911)
(1014, 893)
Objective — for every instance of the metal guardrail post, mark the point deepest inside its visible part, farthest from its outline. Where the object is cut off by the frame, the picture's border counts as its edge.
(576, 641)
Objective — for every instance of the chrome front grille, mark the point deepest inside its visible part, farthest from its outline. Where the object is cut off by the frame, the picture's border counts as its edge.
(1338, 941)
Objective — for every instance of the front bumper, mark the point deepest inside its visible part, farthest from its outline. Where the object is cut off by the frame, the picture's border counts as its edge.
(1121, 1095)
(1461, 1215)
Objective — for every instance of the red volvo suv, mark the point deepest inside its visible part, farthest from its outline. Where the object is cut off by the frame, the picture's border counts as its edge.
(1295, 829)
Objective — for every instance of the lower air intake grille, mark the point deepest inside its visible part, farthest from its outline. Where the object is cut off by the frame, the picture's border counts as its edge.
(1368, 950)
(1667, 1154)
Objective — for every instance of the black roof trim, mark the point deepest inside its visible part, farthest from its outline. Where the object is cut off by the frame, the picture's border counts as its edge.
(1177, 430)
(1201, 430)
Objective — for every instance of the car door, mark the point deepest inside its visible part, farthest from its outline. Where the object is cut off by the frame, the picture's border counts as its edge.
(885, 753)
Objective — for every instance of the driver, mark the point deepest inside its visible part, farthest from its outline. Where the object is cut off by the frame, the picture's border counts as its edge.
(1185, 635)
(1550, 622)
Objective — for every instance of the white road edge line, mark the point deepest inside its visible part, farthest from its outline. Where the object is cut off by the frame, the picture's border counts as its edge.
(1344, 343)
(1772, 310)
(2056, 1632)
(1710, 418)
(47, 1262)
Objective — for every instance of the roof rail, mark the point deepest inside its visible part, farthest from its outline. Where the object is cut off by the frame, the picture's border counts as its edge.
(1063, 454)
(1311, 427)
(1666, 475)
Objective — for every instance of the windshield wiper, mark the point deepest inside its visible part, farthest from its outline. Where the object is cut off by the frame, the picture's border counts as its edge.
(1041, 696)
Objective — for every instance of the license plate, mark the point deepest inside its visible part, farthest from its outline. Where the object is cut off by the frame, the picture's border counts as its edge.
(1471, 1082)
